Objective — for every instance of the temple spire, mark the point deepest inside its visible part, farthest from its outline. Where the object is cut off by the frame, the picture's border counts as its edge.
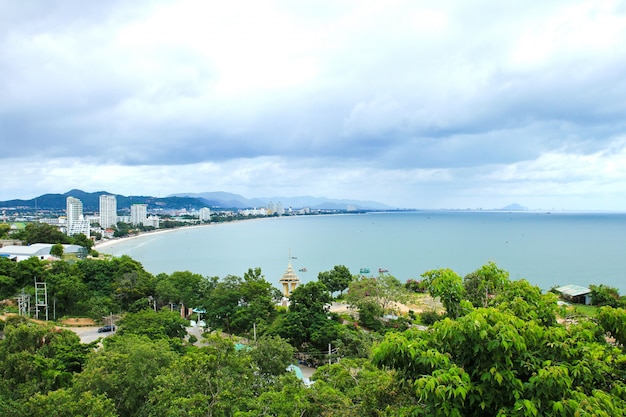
(289, 279)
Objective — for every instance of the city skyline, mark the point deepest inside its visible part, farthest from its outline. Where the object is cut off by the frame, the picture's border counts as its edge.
(414, 104)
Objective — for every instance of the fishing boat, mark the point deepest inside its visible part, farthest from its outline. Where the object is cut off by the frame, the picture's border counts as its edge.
(364, 271)
(302, 270)
(382, 270)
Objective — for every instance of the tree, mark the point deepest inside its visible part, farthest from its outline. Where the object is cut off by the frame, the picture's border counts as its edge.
(367, 389)
(337, 279)
(125, 370)
(308, 320)
(214, 380)
(153, 324)
(448, 286)
(384, 291)
(30, 270)
(66, 403)
(492, 363)
(370, 314)
(69, 292)
(130, 281)
(256, 305)
(57, 250)
(613, 321)
(223, 303)
(42, 233)
(82, 240)
(286, 397)
(181, 287)
(312, 298)
(272, 355)
(604, 295)
(484, 283)
(37, 359)
(527, 302)
(5, 229)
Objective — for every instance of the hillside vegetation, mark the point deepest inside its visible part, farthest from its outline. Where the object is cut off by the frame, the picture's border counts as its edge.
(481, 345)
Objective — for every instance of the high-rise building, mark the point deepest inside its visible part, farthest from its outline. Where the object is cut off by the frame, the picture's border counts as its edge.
(108, 211)
(76, 222)
(138, 214)
(205, 214)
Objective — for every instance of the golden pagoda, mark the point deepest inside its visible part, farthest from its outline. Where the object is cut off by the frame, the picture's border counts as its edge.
(289, 280)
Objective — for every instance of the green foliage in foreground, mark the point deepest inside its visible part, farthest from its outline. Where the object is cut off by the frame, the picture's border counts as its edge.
(492, 363)
(498, 351)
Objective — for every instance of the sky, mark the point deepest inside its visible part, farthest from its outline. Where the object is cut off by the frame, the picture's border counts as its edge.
(416, 104)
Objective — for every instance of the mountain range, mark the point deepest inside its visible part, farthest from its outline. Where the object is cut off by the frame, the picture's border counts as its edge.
(189, 201)
(237, 201)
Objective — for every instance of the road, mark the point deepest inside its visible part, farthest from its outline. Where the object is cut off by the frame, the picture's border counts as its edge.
(89, 334)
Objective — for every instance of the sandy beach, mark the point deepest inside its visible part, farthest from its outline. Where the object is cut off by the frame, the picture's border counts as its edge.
(114, 241)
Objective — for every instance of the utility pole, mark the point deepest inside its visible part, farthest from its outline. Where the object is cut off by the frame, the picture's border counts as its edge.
(329, 350)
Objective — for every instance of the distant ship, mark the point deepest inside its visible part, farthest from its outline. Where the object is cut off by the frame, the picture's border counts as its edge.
(382, 270)
(302, 269)
(364, 271)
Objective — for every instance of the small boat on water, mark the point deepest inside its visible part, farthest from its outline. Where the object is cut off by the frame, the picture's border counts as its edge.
(382, 270)
(364, 271)
(302, 269)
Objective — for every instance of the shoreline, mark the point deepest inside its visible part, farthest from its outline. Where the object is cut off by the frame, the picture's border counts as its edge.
(117, 240)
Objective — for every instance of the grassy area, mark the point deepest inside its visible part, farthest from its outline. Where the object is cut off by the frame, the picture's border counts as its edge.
(579, 310)
(585, 310)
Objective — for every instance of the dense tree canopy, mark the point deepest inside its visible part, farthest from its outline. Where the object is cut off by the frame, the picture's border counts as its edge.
(499, 351)
(337, 279)
(491, 362)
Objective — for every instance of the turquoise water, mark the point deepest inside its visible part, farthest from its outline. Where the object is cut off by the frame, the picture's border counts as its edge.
(546, 249)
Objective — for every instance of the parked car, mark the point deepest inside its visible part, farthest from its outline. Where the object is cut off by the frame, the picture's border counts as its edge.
(106, 329)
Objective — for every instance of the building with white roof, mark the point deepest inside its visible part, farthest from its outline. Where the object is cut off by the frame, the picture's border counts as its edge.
(39, 250)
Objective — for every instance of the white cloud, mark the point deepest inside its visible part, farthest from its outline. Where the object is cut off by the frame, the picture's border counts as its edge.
(412, 103)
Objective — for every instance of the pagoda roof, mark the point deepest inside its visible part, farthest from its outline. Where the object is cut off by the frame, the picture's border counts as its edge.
(289, 275)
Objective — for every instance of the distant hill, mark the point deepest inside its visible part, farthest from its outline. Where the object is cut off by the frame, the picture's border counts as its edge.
(190, 201)
(514, 207)
(91, 201)
(318, 203)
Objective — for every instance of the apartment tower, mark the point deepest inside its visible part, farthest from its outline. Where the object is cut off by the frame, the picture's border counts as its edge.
(76, 222)
(108, 211)
(138, 214)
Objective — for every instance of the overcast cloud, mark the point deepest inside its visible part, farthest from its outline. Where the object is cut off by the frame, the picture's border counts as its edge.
(410, 103)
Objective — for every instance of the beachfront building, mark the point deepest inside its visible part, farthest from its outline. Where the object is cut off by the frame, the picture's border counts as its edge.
(254, 212)
(108, 211)
(138, 214)
(76, 222)
(205, 214)
(152, 221)
(289, 280)
(275, 209)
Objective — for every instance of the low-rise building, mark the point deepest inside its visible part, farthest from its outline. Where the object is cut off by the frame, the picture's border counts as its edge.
(41, 251)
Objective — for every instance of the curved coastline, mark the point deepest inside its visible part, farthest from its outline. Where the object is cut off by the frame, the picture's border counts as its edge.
(546, 250)
(118, 240)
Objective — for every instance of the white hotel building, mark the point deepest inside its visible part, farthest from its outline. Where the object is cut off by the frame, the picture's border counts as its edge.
(138, 214)
(76, 222)
(108, 211)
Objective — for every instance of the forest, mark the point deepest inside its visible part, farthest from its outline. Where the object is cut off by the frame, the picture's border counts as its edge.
(488, 346)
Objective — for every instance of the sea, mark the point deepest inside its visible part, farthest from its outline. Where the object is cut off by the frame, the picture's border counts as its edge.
(546, 248)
